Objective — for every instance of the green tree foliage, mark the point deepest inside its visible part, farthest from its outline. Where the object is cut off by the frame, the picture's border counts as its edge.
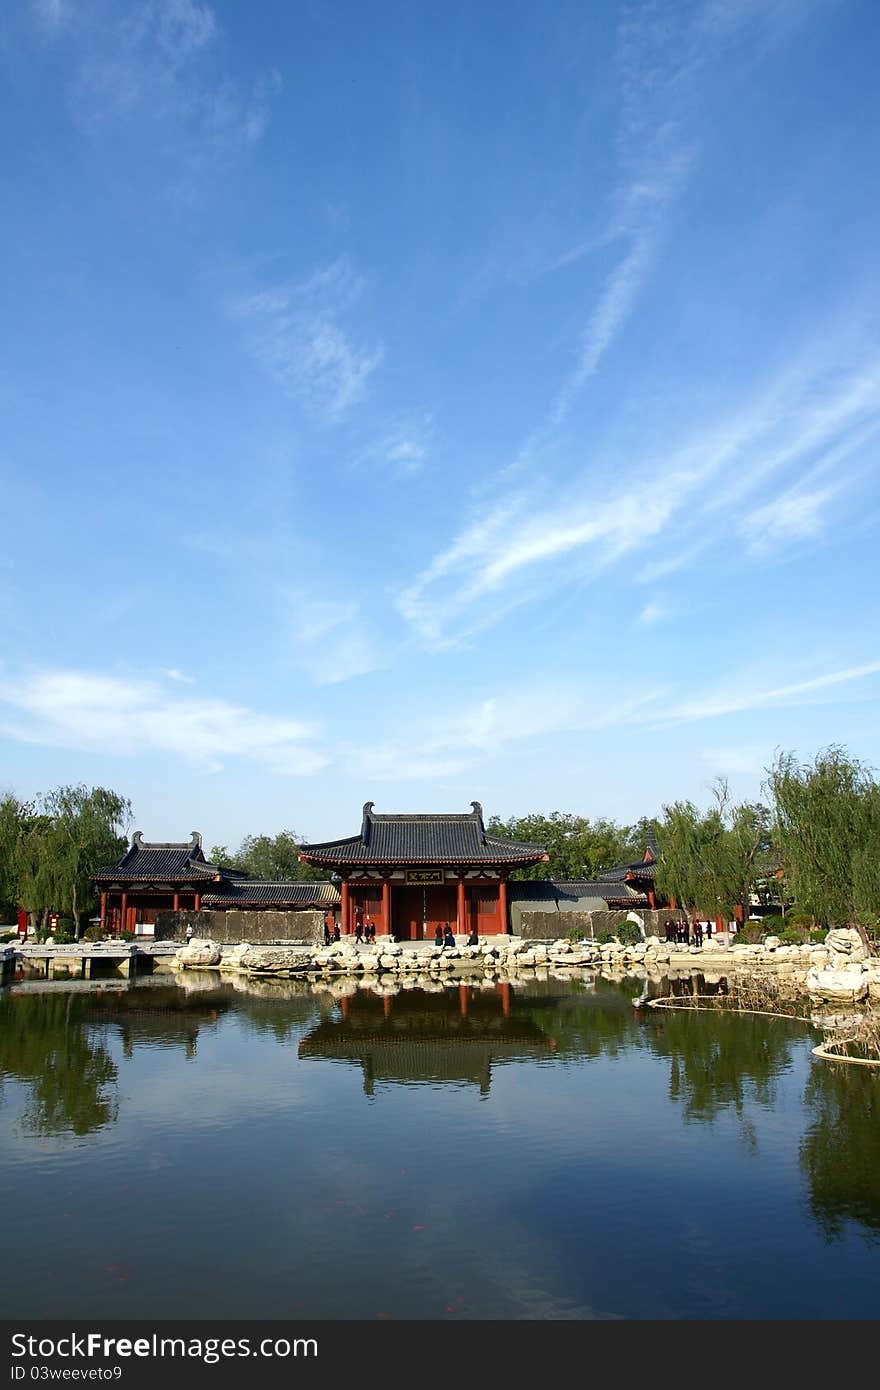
(712, 861)
(578, 848)
(50, 850)
(838, 1153)
(276, 858)
(636, 837)
(69, 1074)
(13, 817)
(86, 831)
(828, 827)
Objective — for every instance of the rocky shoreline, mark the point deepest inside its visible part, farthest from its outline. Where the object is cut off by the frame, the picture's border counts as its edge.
(838, 970)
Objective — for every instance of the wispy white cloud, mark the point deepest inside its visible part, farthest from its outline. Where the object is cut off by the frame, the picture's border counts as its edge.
(802, 424)
(447, 744)
(652, 613)
(664, 57)
(743, 759)
(330, 641)
(401, 448)
(158, 61)
(107, 714)
(295, 330)
(174, 675)
(737, 700)
(52, 15)
(794, 515)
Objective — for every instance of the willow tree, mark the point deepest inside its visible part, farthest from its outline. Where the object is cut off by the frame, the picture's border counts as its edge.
(13, 818)
(711, 861)
(828, 825)
(689, 862)
(86, 830)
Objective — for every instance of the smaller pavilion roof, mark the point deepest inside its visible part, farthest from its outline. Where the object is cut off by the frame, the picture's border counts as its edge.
(423, 839)
(168, 861)
(254, 893)
(574, 890)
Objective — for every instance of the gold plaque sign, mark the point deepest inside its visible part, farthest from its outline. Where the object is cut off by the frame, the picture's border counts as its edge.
(423, 876)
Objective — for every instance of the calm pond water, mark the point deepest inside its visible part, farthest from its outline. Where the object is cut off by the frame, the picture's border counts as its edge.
(226, 1150)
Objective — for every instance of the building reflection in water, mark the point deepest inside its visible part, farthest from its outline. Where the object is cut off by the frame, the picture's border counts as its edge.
(415, 1037)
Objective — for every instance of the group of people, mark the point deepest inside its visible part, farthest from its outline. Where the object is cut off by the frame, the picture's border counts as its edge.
(444, 936)
(684, 933)
(364, 929)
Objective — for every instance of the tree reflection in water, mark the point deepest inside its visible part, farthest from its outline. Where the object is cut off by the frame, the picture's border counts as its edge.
(840, 1152)
(71, 1076)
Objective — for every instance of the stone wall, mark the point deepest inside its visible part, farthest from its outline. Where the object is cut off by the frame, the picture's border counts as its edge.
(548, 924)
(228, 928)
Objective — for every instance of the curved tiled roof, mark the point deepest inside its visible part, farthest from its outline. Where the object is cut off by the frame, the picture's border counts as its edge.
(423, 839)
(167, 861)
(556, 890)
(279, 894)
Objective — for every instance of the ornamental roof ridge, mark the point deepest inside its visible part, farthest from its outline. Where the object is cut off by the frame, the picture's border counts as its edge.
(193, 843)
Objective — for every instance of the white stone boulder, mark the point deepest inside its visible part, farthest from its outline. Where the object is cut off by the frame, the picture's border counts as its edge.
(272, 960)
(847, 942)
(198, 954)
(849, 985)
(231, 956)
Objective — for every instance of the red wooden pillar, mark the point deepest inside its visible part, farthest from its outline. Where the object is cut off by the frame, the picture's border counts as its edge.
(502, 904)
(462, 924)
(652, 901)
(176, 902)
(122, 913)
(198, 902)
(504, 991)
(103, 912)
(344, 927)
(386, 907)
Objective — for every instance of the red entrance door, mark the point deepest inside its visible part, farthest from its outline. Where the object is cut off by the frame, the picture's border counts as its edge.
(407, 913)
(416, 912)
(441, 906)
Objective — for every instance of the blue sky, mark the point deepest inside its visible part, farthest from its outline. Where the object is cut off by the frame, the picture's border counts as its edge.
(420, 403)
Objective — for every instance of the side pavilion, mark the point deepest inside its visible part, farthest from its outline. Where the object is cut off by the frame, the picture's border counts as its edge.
(413, 873)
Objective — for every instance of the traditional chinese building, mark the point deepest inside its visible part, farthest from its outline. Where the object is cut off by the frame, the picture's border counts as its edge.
(157, 877)
(413, 873)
